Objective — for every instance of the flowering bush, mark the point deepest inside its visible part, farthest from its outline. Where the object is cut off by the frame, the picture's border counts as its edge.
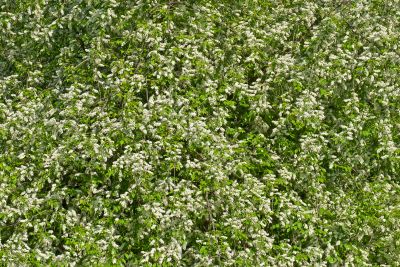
(199, 133)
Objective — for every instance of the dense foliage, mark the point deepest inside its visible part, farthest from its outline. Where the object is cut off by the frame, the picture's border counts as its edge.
(199, 133)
